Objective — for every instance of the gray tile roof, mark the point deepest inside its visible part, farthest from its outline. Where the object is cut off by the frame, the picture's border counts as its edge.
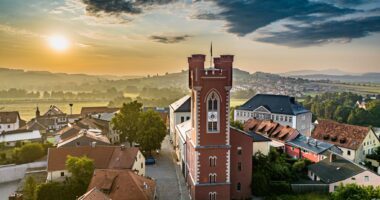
(182, 105)
(258, 137)
(338, 170)
(313, 145)
(278, 104)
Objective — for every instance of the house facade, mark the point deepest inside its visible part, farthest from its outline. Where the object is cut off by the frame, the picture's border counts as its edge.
(278, 108)
(355, 141)
(10, 138)
(105, 157)
(9, 121)
(218, 158)
(179, 112)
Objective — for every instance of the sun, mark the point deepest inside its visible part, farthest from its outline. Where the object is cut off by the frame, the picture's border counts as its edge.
(58, 42)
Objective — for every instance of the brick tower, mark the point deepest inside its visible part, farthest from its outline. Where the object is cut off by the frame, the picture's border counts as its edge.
(208, 142)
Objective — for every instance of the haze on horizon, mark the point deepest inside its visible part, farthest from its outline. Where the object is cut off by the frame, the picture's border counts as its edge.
(123, 37)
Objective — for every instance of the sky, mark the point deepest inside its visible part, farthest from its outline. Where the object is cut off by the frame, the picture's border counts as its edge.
(140, 37)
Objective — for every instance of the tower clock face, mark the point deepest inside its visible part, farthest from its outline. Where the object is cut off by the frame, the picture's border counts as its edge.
(212, 116)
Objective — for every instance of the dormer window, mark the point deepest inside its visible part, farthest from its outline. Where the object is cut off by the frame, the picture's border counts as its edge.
(213, 112)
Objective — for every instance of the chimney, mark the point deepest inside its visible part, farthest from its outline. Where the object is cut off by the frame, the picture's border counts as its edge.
(332, 157)
(307, 140)
(122, 147)
(315, 142)
(93, 144)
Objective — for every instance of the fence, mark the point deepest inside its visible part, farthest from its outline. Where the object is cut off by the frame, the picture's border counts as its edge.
(304, 188)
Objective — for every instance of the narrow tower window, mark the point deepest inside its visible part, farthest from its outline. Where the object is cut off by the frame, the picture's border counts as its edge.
(213, 112)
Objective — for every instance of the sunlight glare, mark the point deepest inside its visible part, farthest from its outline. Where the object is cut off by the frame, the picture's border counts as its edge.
(58, 42)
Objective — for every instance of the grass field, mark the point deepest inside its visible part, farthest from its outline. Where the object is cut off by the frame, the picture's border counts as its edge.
(237, 102)
(374, 89)
(27, 108)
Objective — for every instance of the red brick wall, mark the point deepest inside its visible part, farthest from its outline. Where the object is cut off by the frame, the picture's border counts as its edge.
(244, 176)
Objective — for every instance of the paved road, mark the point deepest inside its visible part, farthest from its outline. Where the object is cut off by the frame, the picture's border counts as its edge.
(170, 182)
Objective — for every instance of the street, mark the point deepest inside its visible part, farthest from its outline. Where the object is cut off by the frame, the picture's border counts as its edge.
(170, 182)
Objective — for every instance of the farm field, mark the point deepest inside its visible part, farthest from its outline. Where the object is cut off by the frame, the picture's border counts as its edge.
(361, 89)
(27, 108)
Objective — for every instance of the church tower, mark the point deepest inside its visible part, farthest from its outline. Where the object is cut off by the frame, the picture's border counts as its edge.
(208, 144)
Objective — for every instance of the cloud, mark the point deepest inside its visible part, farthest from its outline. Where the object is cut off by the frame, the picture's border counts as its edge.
(117, 7)
(169, 39)
(309, 22)
(317, 34)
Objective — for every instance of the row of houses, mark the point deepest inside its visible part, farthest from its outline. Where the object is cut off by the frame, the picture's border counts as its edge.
(280, 122)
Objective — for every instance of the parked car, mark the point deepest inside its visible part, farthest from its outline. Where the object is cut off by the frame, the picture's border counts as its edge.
(150, 161)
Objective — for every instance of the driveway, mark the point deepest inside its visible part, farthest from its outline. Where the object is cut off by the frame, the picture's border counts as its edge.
(170, 182)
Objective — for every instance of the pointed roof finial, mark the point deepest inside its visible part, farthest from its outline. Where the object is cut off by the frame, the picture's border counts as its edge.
(211, 55)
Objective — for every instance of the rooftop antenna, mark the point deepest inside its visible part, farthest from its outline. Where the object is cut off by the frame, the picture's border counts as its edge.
(211, 55)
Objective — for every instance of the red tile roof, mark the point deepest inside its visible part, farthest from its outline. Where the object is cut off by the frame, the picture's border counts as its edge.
(94, 194)
(105, 157)
(342, 135)
(123, 184)
(271, 129)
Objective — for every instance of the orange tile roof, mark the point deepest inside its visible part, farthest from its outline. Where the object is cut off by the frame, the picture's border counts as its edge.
(104, 157)
(123, 184)
(271, 129)
(94, 194)
(342, 135)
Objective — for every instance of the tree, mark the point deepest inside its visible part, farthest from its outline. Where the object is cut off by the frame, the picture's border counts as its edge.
(126, 121)
(81, 169)
(237, 124)
(29, 152)
(151, 131)
(29, 190)
(53, 190)
(355, 192)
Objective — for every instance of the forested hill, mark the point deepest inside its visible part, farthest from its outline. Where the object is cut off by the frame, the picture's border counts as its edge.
(44, 80)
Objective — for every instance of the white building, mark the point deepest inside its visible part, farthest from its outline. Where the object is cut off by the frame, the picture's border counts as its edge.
(10, 138)
(278, 108)
(179, 113)
(181, 131)
(9, 121)
(355, 141)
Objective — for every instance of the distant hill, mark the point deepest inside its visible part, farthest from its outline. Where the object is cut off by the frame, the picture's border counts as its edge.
(334, 72)
(367, 77)
(44, 80)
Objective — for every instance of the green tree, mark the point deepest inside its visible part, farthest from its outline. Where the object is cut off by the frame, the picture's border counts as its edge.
(81, 169)
(29, 190)
(237, 124)
(355, 192)
(30, 152)
(53, 191)
(151, 131)
(126, 121)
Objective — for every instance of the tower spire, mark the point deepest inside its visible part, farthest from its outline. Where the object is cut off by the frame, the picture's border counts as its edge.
(211, 55)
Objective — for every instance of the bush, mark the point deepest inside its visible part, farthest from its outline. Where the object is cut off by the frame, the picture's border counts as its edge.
(29, 152)
(356, 192)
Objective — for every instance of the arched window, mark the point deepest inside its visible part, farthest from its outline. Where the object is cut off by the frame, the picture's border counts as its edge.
(213, 112)
(212, 195)
(212, 161)
(212, 178)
